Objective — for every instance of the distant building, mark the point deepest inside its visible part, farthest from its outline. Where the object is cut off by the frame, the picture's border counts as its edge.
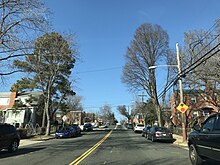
(75, 117)
(200, 103)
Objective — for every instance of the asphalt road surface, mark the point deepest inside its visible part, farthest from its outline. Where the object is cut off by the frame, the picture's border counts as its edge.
(116, 147)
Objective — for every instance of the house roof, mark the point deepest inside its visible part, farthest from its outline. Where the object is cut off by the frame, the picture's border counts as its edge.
(5, 94)
(9, 98)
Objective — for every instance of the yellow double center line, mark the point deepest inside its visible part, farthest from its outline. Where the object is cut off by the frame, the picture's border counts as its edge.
(85, 154)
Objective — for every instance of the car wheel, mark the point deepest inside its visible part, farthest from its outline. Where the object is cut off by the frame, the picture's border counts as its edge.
(193, 155)
(13, 146)
(147, 137)
(153, 139)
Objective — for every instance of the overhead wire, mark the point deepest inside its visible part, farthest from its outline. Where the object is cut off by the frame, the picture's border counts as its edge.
(180, 74)
(208, 32)
(196, 63)
(100, 70)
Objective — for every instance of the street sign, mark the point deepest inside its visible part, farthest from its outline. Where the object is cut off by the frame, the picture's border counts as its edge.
(182, 107)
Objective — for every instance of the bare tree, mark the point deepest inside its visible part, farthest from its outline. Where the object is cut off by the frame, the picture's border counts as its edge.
(149, 46)
(123, 111)
(20, 22)
(106, 114)
(74, 103)
(199, 51)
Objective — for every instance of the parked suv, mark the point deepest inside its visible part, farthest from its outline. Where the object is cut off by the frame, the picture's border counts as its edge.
(9, 138)
(204, 141)
(138, 128)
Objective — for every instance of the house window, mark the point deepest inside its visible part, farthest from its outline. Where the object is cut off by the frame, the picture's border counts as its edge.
(77, 114)
(195, 114)
(205, 113)
(193, 100)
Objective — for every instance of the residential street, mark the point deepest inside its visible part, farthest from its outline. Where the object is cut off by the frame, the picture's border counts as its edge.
(99, 147)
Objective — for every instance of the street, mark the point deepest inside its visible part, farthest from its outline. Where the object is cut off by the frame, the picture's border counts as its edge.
(98, 147)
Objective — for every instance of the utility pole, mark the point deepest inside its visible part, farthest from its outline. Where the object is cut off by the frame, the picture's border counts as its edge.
(181, 92)
(142, 100)
(142, 97)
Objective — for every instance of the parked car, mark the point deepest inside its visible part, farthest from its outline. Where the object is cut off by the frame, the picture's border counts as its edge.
(9, 137)
(129, 126)
(145, 131)
(204, 141)
(78, 130)
(87, 127)
(138, 128)
(103, 126)
(159, 133)
(65, 132)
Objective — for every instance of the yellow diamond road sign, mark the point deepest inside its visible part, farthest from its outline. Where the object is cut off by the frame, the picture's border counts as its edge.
(182, 107)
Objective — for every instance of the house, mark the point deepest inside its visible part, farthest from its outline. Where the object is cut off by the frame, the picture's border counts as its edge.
(19, 117)
(201, 104)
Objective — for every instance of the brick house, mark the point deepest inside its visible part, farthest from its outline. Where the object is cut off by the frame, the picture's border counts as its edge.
(75, 117)
(201, 104)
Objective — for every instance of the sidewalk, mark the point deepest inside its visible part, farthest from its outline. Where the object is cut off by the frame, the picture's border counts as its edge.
(35, 139)
(179, 141)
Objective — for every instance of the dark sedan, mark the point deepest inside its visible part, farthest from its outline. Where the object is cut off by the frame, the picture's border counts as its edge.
(145, 131)
(87, 127)
(78, 130)
(65, 132)
(160, 133)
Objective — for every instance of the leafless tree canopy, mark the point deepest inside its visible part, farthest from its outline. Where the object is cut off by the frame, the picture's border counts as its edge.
(123, 111)
(106, 114)
(20, 22)
(197, 44)
(74, 103)
(149, 46)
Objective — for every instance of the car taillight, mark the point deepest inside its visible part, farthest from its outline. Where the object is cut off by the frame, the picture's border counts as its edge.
(157, 133)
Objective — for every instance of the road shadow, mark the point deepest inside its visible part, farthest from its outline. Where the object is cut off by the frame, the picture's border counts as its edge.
(20, 151)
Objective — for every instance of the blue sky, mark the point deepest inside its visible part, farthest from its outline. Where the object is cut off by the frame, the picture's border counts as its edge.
(104, 29)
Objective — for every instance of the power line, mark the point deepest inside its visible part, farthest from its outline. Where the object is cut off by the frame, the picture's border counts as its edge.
(100, 70)
(199, 63)
(191, 66)
(211, 29)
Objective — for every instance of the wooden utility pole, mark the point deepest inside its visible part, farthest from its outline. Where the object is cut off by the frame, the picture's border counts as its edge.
(181, 92)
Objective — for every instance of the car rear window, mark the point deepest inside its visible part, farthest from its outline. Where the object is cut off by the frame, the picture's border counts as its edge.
(162, 129)
(140, 125)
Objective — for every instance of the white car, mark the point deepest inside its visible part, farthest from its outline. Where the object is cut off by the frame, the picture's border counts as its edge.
(138, 127)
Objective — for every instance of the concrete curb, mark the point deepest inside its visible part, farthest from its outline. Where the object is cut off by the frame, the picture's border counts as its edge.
(35, 139)
(179, 141)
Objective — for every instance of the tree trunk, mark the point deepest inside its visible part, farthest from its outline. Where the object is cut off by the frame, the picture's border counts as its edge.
(44, 118)
(48, 117)
(159, 114)
(48, 126)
